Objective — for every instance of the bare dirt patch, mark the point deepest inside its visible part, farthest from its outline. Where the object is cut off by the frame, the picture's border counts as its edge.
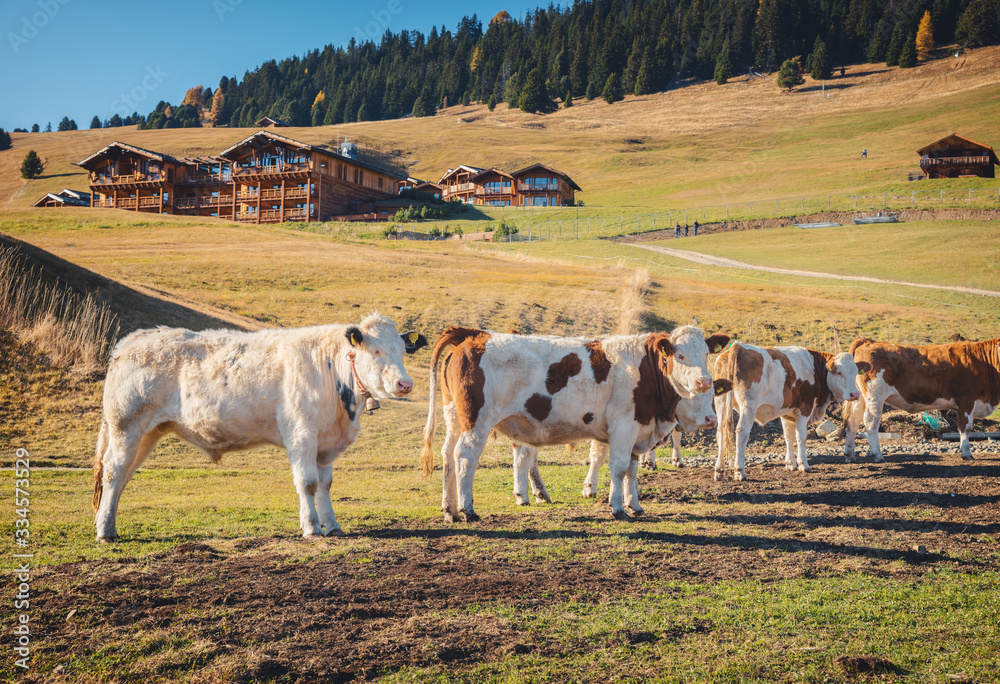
(407, 594)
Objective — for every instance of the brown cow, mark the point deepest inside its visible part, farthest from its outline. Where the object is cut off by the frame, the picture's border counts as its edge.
(963, 376)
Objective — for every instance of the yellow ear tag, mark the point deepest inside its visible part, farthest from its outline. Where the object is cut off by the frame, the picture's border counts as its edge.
(718, 348)
(414, 337)
(861, 372)
(719, 390)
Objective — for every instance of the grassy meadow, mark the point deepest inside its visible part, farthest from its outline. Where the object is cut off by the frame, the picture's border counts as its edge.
(772, 580)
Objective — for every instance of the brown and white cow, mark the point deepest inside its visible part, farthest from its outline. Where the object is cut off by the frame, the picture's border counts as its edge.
(544, 390)
(963, 377)
(792, 383)
(223, 390)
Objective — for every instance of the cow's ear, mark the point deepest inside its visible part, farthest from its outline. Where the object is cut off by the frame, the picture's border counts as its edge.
(721, 386)
(863, 367)
(665, 346)
(354, 336)
(413, 341)
(831, 364)
(716, 343)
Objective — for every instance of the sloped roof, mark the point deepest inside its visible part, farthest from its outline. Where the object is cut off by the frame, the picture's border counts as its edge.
(486, 172)
(956, 138)
(270, 120)
(461, 167)
(257, 141)
(65, 196)
(548, 169)
(142, 152)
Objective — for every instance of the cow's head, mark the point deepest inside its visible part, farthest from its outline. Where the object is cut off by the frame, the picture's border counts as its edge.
(687, 365)
(698, 411)
(379, 349)
(842, 377)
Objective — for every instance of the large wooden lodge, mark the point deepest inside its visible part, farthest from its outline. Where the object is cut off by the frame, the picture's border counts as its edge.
(537, 185)
(956, 157)
(264, 178)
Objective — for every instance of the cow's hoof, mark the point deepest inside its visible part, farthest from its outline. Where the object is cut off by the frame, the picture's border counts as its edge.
(879, 459)
(469, 516)
(967, 458)
(107, 540)
(677, 464)
(543, 499)
(520, 501)
(620, 515)
(718, 476)
(790, 466)
(739, 476)
(336, 532)
(588, 493)
(804, 469)
(637, 511)
(450, 517)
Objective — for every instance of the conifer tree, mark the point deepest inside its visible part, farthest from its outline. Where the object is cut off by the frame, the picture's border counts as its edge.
(820, 67)
(115, 121)
(568, 100)
(5, 142)
(895, 46)
(979, 24)
(724, 64)
(67, 124)
(642, 78)
(925, 37)
(492, 102)
(95, 122)
(34, 128)
(790, 74)
(534, 97)
(908, 55)
(32, 166)
(611, 92)
(591, 92)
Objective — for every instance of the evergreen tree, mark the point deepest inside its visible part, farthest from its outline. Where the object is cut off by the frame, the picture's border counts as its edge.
(534, 97)
(48, 127)
(642, 78)
(568, 100)
(491, 103)
(877, 49)
(5, 142)
(591, 92)
(67, 124)
(979, 24)
(790, 74)
(908, 55)
(115, 121)
(611, 92)
(925, 37)
(819, 66)
(895, 46)
(32, 166)
(95, 122)
(316, 116)
(34, 128)
(422, 105)
(724, 64)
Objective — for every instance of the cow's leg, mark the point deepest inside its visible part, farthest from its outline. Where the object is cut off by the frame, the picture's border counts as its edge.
(598, 456)
(854, 411)
(302, 456)
(124, 452)
(963, 417)
(468, 449)
(675, 456)
(535, 478)
(449, 487)
(743, 426)
(720, 442)
(789, 431)
(648, 459)
(872, 420)
(632, 486)
(620, 445)
(324, 505)
(801, 431)
(523, 455)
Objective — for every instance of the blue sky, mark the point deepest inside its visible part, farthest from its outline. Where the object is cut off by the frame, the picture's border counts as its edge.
(79, 58)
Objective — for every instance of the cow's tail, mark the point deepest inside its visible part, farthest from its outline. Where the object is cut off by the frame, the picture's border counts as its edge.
(452, 336)
(102, 446)
(727, 427)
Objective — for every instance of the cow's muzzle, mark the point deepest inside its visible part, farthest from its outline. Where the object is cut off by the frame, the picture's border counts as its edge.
(703, 384)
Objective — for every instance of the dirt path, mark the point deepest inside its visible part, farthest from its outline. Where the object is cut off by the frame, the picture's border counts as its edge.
(708, 260)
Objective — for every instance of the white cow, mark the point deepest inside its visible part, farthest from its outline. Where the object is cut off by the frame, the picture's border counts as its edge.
(222, 390)
(792, 383)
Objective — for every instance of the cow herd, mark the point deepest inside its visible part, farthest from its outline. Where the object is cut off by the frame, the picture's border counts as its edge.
(306, 389)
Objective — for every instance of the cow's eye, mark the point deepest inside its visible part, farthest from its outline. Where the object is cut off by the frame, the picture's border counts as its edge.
(680, 357)
(376, 352)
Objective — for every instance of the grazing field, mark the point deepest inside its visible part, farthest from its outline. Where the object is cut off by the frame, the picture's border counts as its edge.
(893, 567)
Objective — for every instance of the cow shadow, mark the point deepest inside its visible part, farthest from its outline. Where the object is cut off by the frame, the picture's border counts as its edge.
(863, 498)
(875, 524)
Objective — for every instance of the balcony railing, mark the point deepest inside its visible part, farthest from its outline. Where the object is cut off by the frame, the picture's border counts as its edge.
(129, 178)
(461, 187)
(274, 194)
(276, 168)
(270, 215)
(149, 201)
(538, 187)
(954, 161)
(480, 191)
(208, 179)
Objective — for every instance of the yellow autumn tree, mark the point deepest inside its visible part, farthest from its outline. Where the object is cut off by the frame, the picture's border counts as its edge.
(501, 18)
(477, 59)
(925, 36)
(218, 108)
(320, 100)
(194, 96)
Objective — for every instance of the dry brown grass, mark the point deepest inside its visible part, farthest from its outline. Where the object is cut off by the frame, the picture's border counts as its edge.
(634, 292)
(74, 331)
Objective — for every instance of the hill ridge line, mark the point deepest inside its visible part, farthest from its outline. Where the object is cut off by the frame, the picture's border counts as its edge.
(708, 260)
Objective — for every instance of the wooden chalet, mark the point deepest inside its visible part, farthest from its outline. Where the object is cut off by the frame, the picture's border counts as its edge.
(64, 198)
(456, 184)
(542, 186)
(264, 178)
(271, 122)
(957, 157)
(537, 185)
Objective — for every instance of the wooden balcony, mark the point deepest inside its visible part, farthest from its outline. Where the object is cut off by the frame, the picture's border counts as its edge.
(537, 187)
(275, 170)
(272, 215)
(150, 202)
(127, 179)
(274, 194)
(928, 162)
(208, 179)
(494, 192)
(461, 187)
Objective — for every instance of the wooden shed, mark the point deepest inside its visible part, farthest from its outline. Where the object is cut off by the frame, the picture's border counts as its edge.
(957, 157)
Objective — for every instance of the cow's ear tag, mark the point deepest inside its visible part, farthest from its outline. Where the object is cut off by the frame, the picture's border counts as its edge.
(719, 390)
(414, 336)
(354, 336)
(718, 348)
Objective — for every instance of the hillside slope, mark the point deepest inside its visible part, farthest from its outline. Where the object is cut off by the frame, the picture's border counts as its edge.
(699, 144)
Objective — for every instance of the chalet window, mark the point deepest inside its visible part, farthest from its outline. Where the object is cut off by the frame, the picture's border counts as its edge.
(355, 175)
(361, 176)
(380, 182)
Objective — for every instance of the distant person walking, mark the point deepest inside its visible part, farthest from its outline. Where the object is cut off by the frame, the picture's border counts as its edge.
(677, 231)
(685, 230)
(696, 229)
(864, 153)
